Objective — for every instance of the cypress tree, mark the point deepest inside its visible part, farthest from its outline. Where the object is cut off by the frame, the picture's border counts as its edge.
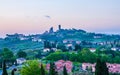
(52, 69)
(0, 64)
(13, 71)
(65, 71)
(4, 69)
(42, 70)
(104, 68)
(98, 67)
(78, 47)
(101, 68)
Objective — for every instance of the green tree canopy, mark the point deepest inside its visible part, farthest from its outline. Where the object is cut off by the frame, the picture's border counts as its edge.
(77, 47)
(31, 67)
(7, 54)
(88, 56)
(21, 54)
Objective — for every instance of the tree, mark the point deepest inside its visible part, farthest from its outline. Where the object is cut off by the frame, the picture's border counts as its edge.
(55, 56)
(65, 71)
(105, 69)
(13, 71)
(101, 68)
(4, 69)
(31, 67)
(117, 59)
(88, 56)
(21, 54)
(7, 54)
(77, 47)
(53, 45)
(52, 69)
(62, 47)
(38, 55)
(0, 62)
(98, 67)
(47, 44)
(42, 70)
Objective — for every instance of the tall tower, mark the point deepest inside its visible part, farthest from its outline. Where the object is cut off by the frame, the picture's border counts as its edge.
(59, 27)
(51, 30)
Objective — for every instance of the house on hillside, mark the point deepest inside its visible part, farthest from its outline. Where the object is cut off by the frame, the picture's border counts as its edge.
(60, 65)
(92, 49)
(20, 60)
(115, 48)
(46, 50)
(69, 46)
(113, 68)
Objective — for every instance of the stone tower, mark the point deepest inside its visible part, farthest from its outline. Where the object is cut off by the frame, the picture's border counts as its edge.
(59, 27)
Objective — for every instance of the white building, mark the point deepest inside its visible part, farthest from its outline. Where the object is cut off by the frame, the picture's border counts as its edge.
(92, 49)
(114, 49)
(46, 50)
(20, 60)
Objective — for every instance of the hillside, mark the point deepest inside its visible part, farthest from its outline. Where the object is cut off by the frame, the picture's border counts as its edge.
(22, 42)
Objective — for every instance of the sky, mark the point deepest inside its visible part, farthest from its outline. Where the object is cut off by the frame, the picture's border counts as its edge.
(37, 16)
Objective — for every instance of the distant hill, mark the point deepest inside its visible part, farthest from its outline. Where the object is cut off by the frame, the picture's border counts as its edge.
(21, 42)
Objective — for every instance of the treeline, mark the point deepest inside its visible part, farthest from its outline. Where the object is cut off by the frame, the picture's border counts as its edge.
(34, 67)
(85, 55)
(10, 57)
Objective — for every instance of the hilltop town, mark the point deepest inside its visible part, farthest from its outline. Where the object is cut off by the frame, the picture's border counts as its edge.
(76, 49)
(69, 37)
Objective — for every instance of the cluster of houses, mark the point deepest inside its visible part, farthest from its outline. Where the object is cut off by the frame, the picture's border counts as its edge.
(113, 68)
(24, 37)
(92, 45)
(69, 43)
(60, 65)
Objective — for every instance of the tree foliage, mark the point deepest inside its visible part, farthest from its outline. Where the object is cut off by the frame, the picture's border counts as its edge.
(7, 54)
(101, 68)
(65, 71)
(77, 47)
(31, 67)
(52, 69)
(4, 69)
(13, 71)
(21, 54)
(85, 55)
(42, 70)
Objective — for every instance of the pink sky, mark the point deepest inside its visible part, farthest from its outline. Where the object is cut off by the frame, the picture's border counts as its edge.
(28, 16)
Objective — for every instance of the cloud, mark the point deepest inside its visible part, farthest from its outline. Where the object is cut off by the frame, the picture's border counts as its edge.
(47, 16)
